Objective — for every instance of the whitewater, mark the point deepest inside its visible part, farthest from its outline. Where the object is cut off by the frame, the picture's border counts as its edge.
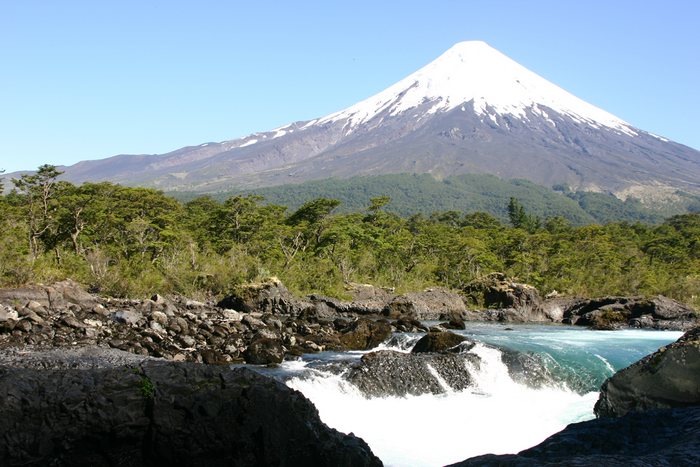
(500, 413)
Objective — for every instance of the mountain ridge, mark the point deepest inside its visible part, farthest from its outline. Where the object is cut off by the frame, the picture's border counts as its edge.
(472, 110)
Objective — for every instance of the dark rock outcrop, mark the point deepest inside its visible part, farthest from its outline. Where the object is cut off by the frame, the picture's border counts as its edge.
(392, 373)
(442, 342)
(264, 351)
(269, 296)
(364, 334)
(616, 312)
(670, 377)
(654, 438)
(153, 413)
(432, 303)
(505, 299)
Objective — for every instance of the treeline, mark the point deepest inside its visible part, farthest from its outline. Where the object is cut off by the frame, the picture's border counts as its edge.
(125, 241)
(422, 193)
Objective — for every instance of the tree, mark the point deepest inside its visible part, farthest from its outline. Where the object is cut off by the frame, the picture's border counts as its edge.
(520, 219)
(377, 203)
(516, 213)
(39, 191)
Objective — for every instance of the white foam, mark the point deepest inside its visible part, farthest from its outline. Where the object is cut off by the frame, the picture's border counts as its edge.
(497, 415)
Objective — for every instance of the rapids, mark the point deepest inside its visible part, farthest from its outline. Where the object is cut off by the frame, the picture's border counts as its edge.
(510, 407)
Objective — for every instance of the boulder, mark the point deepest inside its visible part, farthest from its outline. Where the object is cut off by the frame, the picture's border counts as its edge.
(441, 342)
(22, 295)
(269, 296)
(392, 373)
(432, 303)
(263, 351)
(455, 321)
(72, 292)
(127, 317)
(657, 437)
(409, 325)
(163, 413)
(496, 291)
(364, 334)
(668, 378)
(616, 312)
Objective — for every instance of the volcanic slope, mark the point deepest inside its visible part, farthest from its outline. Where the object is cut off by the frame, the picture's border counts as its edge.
(472, 110)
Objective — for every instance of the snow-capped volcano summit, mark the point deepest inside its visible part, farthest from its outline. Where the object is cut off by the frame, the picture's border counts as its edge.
(475, 72)
(471, 110)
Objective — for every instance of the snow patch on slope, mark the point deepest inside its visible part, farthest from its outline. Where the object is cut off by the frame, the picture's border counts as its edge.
(474, 71)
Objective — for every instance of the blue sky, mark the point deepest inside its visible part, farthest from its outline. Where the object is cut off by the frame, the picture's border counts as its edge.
(91, 79)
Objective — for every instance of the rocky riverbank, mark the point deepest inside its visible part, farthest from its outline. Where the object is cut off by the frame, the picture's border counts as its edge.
(104, 381)
(262, 323)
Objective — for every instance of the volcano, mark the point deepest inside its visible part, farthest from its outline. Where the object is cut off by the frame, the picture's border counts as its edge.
(471, 110)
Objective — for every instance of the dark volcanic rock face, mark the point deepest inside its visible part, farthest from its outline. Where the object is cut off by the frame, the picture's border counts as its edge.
(391, 373)
(364, 334)
(507, 300)
(655, 438)
(160, 413)
(616, 312)
(270, 296)
(670, 377)
(441, 342)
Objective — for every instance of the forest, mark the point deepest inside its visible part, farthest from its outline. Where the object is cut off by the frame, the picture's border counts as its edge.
(425, 193)
(134, 242)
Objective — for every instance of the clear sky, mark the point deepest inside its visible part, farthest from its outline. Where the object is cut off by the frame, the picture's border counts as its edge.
(91, 79)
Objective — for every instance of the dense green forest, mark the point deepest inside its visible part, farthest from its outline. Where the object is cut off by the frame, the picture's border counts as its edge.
(411, 194)
(126, 241)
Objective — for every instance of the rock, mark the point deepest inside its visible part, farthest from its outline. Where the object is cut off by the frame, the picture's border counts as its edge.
(127, 317)
(214, 357)
(252, 322)
(668, 378)
(35, 306)
(496, 291)
(188, 341)
(71, 292)
(441, 342)
(23, 325)
(7, 313)
(31, 315)
(431, 303)
(328, 308)
(232, 315)
(158, 299)
(409, 325)
(158, 413)
(657, 437)
(456, 322)
(615, 312)
(364, 334)
(270, 296)
(72, 322)
(194, 304)
(263, 351)
(159, 317)
(392, 373)
(23, 295)
(400, 307)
